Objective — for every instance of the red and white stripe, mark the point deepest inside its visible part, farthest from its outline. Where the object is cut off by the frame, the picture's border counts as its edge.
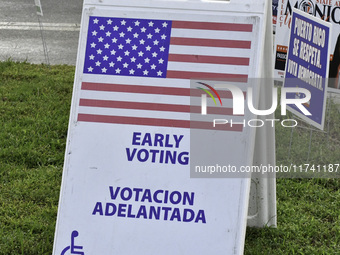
(206, 50)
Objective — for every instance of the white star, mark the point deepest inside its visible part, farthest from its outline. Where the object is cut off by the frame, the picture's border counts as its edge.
(157, 30)
(119, 59)
(107, 46)
(150, 24)
(127, 53)
(128, 41)
(105, 58)
(92, 57)
(104, 70)
(139, 66)
(90, 69)
(118, 70)
(108, 33)
(135, 35)
(100, 39)
(113, 52)
(163, 37)
(98, 63)
(94, 33)
(145, 72)
(102, 27)
(165, 24)
(131, 71)
(147, 60)
(153, 66)
(134, 47)
(143, 29)
(93, 45)
(114, 40)
(125, 65)
(161, 49)
(154, 54)
(137, 23)
(122, 34)
(129, 29)
(123, 22)
(141, 41)
(95, 21)
(120, 46)
(115, 28)
(149, 36)
(140, 54)
(159, 73)
(133, 59)
(155, 42)
(148, 48)
(160, 61)
(109, 22)
(112, 64)
(99, 51)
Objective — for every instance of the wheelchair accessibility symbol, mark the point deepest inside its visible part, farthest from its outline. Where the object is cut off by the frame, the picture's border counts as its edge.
(74, 249)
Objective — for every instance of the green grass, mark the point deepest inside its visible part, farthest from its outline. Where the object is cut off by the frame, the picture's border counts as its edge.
(308, 220)
(34, 111)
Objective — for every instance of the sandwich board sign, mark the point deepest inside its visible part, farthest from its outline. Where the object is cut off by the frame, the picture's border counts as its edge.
(308, 65)
(129, 184)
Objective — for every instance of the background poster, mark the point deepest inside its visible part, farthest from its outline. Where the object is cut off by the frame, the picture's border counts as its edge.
(324, 9)
(274, 11)
(307, 65)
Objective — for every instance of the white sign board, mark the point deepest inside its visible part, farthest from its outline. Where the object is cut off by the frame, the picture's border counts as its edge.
(38, 6)
(126, 185)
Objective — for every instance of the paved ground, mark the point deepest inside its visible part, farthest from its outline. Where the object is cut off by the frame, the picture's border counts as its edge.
(21, 37)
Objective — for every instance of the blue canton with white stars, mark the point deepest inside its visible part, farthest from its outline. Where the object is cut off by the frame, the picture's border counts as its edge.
(128, 47)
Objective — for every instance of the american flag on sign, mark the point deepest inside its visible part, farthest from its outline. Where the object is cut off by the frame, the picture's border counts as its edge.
(158, 58)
